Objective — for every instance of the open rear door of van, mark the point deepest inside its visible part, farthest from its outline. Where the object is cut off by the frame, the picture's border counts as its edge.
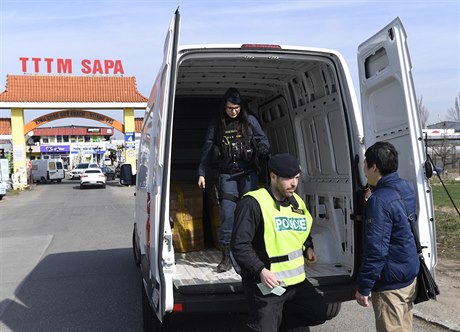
(389, 110)
(160, 108)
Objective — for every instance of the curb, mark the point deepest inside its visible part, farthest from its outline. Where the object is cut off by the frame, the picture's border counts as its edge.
(437, 321)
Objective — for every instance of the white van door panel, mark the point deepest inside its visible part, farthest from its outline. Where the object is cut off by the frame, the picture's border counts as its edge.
(389, 108)
(161, 253)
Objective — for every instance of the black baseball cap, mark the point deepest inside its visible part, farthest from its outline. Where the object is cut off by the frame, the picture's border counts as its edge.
(284, 165)
(233, 95)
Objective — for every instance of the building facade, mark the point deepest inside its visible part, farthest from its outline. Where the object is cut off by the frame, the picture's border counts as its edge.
(74, 144)
(443, 144)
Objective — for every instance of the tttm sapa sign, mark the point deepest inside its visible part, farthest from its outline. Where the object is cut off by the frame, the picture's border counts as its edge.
(67, 66)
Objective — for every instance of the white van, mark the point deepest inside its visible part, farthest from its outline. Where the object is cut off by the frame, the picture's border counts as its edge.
(48, 170)
(306, 103)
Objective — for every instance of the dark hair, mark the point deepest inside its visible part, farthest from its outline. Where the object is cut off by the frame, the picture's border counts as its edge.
(232, 95)
(384, 156)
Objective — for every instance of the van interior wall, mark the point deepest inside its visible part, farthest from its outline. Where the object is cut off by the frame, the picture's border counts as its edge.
(312, 127)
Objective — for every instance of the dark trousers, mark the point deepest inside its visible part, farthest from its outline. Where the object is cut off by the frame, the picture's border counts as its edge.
(237, 187)
(300, 306)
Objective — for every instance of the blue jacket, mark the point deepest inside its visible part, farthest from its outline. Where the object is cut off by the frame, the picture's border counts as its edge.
(390, 254)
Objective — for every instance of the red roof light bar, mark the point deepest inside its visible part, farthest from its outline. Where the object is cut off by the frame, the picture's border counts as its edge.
(260, 46)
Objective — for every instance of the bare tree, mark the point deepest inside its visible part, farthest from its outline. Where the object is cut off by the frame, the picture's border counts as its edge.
(453, 113)
(444, 153)
(423, 112)
(444, 148)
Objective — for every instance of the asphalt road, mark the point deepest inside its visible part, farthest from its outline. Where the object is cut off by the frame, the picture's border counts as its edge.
(66, 265)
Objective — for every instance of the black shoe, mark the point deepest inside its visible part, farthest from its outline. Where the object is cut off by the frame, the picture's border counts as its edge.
(226, 263)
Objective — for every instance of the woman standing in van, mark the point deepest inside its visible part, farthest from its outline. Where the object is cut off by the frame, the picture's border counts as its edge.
(236, 141)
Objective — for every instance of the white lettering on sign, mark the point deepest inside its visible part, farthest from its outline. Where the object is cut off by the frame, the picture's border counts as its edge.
(65, 66)
(291, 224)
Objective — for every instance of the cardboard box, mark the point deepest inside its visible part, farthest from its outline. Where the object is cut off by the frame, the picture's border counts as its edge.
(186, 212)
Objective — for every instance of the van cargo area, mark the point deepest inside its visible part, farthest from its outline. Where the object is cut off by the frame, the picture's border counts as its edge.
(301, 99)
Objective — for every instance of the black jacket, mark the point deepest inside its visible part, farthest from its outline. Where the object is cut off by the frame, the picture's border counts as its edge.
(247, 243)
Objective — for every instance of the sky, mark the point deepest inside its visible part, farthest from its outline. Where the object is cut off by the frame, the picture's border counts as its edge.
(133, 32)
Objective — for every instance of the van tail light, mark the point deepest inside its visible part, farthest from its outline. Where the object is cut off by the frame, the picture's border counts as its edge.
(178, 307)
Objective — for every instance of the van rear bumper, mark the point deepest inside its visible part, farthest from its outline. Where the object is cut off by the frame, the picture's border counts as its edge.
(210, 303)
(236, 302)
(336, 293)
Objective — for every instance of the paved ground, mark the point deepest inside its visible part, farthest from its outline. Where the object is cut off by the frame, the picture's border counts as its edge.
(445, 311)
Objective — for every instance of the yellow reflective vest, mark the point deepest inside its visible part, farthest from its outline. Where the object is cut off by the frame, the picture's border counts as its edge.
(285, 232)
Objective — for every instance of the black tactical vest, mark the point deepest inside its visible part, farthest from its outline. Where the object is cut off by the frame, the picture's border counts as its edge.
(236, 149)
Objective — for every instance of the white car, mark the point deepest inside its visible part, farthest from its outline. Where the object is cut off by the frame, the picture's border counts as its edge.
(2, 190)
(92, 177)
(78, 170)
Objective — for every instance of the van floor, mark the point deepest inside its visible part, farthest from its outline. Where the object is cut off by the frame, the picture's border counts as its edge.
(198, 268)
(196, 273)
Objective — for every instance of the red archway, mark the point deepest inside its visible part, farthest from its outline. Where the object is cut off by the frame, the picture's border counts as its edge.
(41, 120)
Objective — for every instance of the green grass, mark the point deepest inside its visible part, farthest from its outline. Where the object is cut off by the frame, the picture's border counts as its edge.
(440, 195)
(447, 219)
(448, 234)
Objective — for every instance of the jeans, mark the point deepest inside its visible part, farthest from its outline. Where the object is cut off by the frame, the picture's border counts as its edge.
(237, 186)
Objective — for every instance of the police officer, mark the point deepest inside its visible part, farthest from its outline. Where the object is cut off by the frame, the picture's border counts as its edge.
(269, 242)
(235, 142)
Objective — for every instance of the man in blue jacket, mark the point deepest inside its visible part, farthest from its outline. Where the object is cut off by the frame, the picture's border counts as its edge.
(390, 264)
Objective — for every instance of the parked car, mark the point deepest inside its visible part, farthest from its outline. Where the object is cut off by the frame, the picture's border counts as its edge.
(2, 190)
(109, 173)
(92, 177)
(78, 170)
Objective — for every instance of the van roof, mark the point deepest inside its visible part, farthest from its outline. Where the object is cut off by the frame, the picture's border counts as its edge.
(255, 46)
(257, 70)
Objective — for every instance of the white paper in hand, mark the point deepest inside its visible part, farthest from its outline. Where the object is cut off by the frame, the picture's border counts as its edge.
(278, 290)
